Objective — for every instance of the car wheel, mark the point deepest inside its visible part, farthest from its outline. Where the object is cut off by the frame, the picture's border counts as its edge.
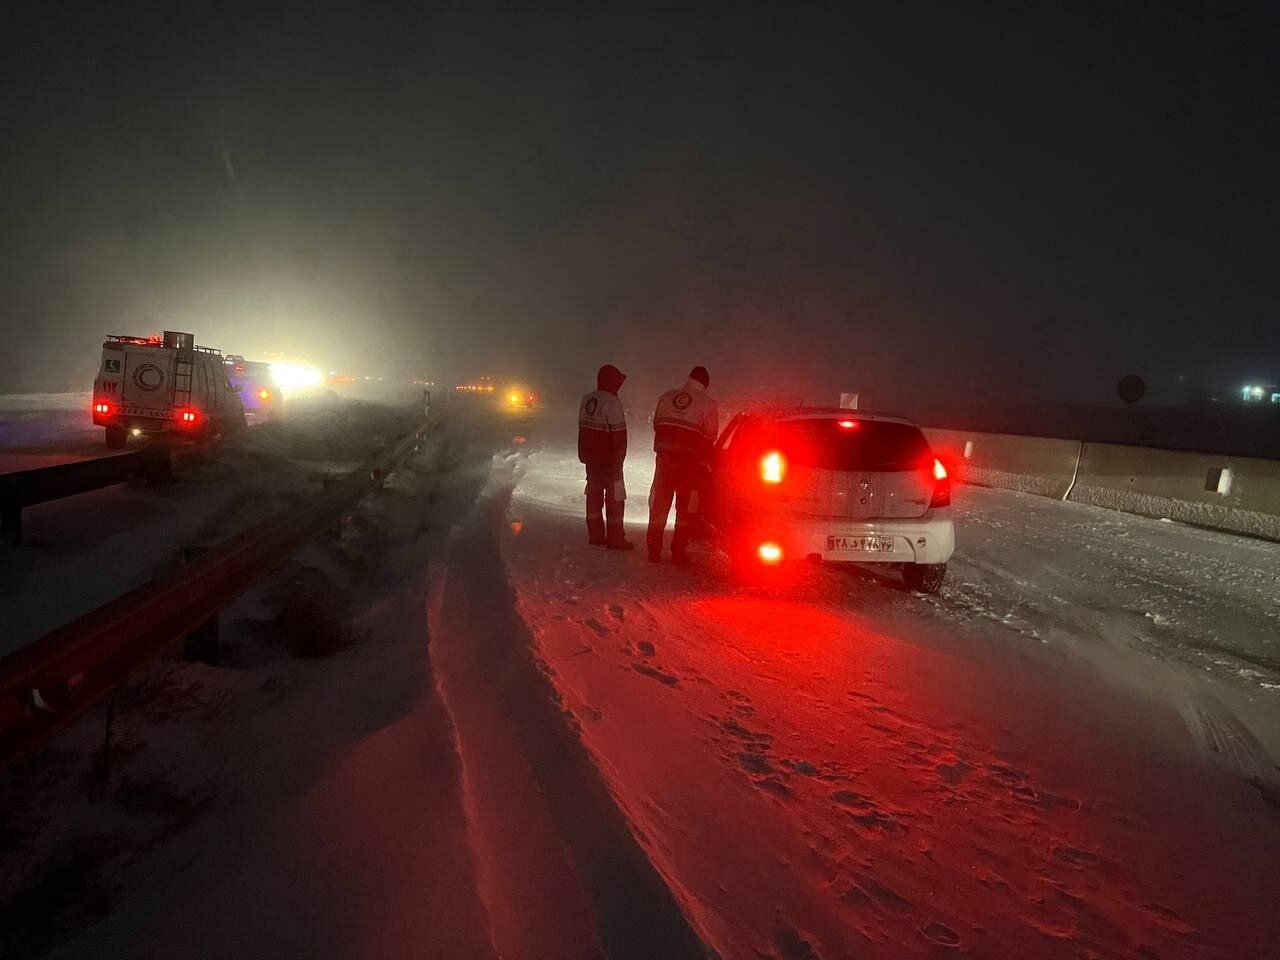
(924, 577)
(116, 438)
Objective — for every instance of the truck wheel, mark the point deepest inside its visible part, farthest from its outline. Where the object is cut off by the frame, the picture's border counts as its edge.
(924, 577)
(116, 438)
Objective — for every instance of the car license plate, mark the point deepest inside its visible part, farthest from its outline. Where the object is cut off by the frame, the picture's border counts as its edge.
(860, 544)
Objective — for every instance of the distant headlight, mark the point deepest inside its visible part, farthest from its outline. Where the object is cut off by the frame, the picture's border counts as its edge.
(294, 377)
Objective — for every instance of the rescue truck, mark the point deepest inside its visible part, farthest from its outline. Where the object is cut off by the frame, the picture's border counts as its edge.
(163, 385)
(258, 391)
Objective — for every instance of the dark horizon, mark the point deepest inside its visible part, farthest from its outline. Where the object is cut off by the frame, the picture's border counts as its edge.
(1009, 206)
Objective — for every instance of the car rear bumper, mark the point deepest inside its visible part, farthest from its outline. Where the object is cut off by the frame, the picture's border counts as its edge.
(145, 424)
(930, 539)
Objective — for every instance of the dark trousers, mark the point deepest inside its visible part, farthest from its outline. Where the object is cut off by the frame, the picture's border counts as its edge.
(677, 477)
(604, 507)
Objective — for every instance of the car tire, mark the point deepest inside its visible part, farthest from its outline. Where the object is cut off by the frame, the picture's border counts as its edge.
(116, 438)
(924, 577)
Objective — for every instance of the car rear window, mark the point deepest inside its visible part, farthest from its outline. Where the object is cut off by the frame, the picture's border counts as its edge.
(823, 444)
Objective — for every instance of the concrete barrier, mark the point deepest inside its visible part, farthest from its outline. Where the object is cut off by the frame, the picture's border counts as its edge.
(1039, 465)
(1239, 494)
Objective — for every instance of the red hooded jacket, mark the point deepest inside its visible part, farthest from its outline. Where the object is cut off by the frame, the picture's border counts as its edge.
(602, 423)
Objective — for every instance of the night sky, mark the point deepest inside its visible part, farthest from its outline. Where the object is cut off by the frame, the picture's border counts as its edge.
(983, 202)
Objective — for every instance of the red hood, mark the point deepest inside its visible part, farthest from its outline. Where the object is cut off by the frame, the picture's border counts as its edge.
(610, 378)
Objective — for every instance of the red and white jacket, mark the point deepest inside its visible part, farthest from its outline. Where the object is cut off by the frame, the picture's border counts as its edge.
(686, 422)
(602, 425)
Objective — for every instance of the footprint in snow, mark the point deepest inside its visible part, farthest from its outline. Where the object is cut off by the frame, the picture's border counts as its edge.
(664, 678)
(647, 648)
(791, 945)
(740, 703)
(1076, 856)
(801, 766)
(866, 813)
(773, 784)
(594, 624)
(761, 740)
(941, 934)
(952, 773)
(616, 611)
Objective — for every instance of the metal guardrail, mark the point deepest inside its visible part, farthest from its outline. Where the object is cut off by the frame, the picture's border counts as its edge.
(55, 679)
(26, 488)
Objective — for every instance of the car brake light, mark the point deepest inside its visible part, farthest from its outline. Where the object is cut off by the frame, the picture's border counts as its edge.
(188, 416)
(773, 467)
(102, 408)
(769, 553)
(848, 424)
(941, 486)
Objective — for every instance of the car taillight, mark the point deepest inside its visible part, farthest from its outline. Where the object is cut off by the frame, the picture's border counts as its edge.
(773, 467)
(188, 417)
(941, 485)
(847, 424)
(769, 553)
(102, 408)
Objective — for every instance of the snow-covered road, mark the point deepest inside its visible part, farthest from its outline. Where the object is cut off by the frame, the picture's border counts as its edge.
(1066, 754)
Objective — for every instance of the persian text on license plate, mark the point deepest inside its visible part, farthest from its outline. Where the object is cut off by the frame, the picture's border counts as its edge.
(860, 544)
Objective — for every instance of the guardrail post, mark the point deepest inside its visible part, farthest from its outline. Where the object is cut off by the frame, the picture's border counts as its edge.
(10, 518)
(202, 643)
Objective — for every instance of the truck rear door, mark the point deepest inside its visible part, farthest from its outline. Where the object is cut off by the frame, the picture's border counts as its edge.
(147, 381)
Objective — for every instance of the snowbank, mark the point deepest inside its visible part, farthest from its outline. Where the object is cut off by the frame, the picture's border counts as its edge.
(296, 801)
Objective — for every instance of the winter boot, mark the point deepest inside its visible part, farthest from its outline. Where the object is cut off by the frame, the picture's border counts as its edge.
(617, 540)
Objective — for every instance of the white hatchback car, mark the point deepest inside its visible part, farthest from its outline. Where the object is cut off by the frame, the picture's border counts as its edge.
(834, 485)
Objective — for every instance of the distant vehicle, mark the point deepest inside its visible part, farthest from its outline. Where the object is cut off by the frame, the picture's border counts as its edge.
(252, 379)
(519, 397)
(833, 485)
(167, 385)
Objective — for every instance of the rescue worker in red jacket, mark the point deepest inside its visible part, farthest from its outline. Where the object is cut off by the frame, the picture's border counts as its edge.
(685, 425)
(602, 447)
